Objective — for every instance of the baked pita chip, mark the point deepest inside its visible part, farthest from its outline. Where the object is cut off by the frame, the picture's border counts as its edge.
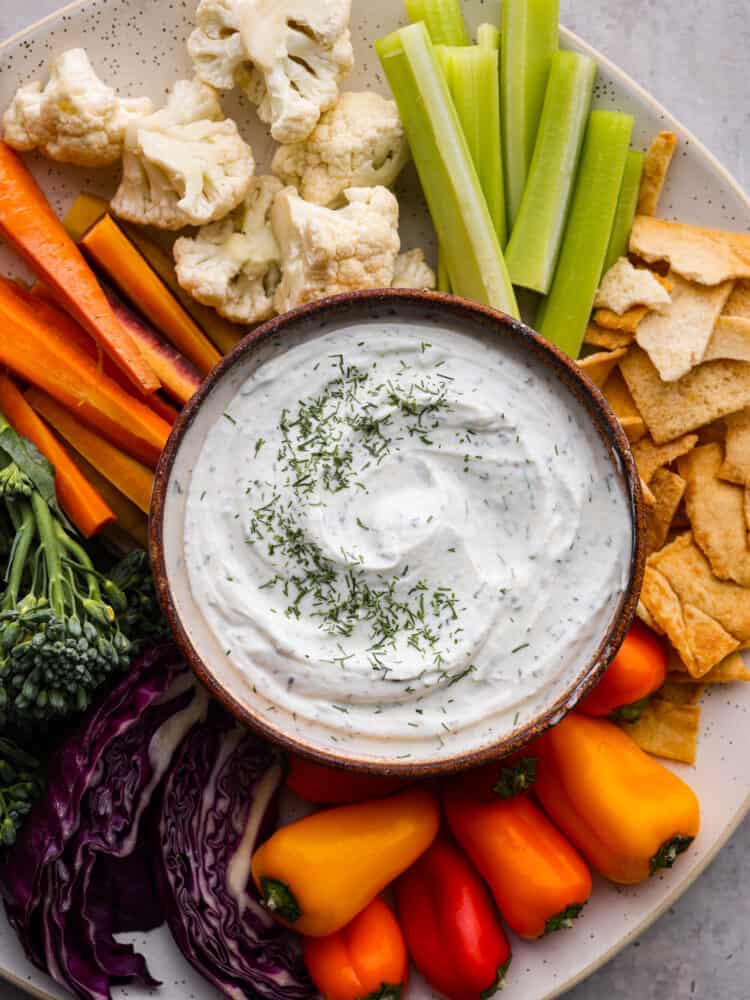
(624, 287)
(730, 340)
(680, 693)
(706, 256)
(655, 170)
(739, 301)
(648, 497)
(634, 428)
(714, 433)
(667, 729)
(710, 391)
(668, 489)
(736, 465)
(609, 340)
(676, 338)
(645, 616)
(649, 456)
(716, 510)
(685, 567)
(627, 323)
(729, 671)
(600, 366)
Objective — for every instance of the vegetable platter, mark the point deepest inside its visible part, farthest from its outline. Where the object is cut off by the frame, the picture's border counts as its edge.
(141, 47)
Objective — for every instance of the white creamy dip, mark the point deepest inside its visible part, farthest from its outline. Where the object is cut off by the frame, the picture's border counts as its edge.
(407, 531)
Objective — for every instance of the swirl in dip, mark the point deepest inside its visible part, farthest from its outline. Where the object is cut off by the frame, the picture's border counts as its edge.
(409, 532)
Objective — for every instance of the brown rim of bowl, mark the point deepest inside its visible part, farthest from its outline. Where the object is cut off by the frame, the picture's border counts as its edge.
(585, 391)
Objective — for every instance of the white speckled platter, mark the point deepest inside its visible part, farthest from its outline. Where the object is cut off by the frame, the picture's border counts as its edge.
(138, 46)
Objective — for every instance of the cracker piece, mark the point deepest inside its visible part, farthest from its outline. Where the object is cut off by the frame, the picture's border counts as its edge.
(706, 256)
(739, 301)
(690, 576)
(668, 489)
(655, 169)
(730, 671)
(730, 340)
(600, 366)
(627, 323)
(634, 428)
(619, 396)
(624, 287)
(736, 465)
(646, 617)
(710, 391)
(680, 693)
(667, 729)
(609, 340)
(648, 497)
(649, 456)
(717, 514)
(714, 433)
(677, 337)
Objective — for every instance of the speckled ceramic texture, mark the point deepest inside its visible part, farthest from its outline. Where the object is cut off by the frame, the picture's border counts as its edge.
(142, 41)
(203, 647)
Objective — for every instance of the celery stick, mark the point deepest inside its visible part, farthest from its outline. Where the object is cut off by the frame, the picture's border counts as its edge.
(537, 234)
(626, 208)
(458, 207)
(443, 278)
(565, 314)
(530, 29)
(488, 36)
(473, 75)
(443, 18)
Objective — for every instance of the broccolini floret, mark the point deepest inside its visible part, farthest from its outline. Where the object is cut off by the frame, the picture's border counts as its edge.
(59, 635)
(20, 786)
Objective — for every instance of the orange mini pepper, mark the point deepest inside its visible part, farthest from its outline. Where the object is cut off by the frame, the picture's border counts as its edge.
(364, 960)
(539, 881)
(626, 813)
(638, 670)
(329, 786)
(317, 874)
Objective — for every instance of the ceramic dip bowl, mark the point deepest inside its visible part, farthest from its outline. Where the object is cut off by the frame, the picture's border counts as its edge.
(398, 532)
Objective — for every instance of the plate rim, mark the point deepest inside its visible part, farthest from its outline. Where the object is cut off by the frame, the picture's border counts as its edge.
(731, 828)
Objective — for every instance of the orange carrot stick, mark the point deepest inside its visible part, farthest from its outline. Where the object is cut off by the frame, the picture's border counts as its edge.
(75, 334)
(28, 223)
(110, 248)
(130, 518)
(83, 504)
(37, 350)
(131, 478)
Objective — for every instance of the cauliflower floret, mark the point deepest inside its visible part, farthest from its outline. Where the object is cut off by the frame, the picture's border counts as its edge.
(289, 56)
(358, 143)
(234, 265)
(184, 165)
(327, 252)
(413, 271)
(75, 118)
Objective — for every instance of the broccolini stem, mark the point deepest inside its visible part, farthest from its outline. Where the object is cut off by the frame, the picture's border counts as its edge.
(81, 560)
(51, 548)
(23, 520)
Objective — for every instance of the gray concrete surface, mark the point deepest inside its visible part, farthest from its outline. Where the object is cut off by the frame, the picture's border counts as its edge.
(693, 56)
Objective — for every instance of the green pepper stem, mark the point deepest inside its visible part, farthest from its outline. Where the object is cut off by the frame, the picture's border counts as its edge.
(386, 991)
(512, 781)
(280, 900)
(668, 853)
(563, 921)
(499, 983)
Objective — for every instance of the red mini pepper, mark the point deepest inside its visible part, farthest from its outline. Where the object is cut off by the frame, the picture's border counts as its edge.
(452, 929)
(330, 786)
(639, 669)
(365, 960)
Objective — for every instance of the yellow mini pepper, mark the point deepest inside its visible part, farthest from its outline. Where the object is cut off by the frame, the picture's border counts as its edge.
(317, 874)
(626, 813)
